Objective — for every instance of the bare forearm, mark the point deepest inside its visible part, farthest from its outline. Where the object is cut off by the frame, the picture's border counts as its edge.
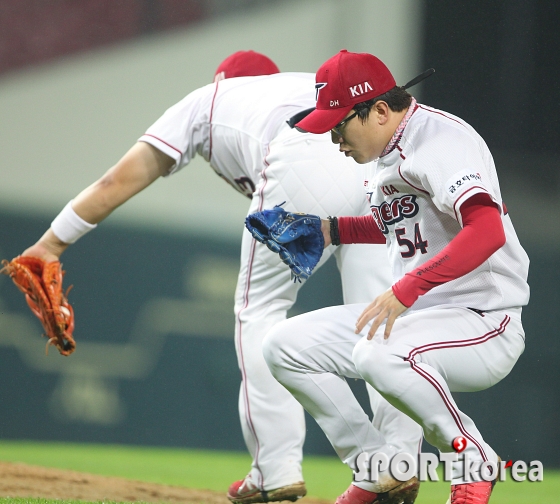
(138, 168)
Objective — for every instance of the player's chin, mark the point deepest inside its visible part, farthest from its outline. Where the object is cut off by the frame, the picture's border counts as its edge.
(358, 157)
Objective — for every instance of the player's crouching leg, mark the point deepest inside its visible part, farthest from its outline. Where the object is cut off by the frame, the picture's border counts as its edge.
(308, 354)
(421, 391)
(380, 365)
(278, 349)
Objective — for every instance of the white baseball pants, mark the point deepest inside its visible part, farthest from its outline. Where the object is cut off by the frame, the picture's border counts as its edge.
(429, 354)
(308, 173)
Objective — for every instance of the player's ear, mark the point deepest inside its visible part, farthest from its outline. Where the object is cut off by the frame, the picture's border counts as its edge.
(381, 111)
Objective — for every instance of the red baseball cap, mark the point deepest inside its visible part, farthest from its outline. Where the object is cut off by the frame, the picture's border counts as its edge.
(245, 64)
(342, 81)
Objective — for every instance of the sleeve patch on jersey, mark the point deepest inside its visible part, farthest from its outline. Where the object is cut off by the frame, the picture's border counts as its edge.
(462, 180)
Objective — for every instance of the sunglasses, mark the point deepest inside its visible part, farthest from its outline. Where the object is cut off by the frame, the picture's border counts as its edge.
(337, 130)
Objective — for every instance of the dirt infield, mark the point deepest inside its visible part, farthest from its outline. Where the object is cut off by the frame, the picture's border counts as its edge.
(22, 480)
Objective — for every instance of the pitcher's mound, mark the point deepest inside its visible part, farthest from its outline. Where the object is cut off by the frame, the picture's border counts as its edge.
(22, 480)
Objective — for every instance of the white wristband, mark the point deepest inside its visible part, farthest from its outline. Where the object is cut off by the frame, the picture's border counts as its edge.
(68, 226)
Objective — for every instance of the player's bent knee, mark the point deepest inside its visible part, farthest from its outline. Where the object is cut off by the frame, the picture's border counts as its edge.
(274, 347)
(369, 359)
(376, 364)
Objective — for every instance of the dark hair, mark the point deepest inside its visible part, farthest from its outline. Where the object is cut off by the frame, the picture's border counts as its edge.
(397, 99)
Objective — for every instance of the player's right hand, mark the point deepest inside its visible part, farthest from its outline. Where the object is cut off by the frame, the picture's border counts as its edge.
(384, 307)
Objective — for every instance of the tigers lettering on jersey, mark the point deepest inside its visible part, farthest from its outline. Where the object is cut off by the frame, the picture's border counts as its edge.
(396, 210)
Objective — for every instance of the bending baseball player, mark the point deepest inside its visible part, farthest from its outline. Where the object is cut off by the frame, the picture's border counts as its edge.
(239, 125)
(451, 320)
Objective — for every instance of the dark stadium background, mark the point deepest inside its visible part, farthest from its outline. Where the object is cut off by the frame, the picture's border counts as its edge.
(497, 66)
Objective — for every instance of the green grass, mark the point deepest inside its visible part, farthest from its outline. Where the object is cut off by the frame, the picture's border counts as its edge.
(44, 501)
(326, 477)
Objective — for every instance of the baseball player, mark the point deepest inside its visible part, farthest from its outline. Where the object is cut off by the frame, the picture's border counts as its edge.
(239, 125)
(451, 320)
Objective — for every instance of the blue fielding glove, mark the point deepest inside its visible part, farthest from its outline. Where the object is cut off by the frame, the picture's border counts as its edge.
(296, 237)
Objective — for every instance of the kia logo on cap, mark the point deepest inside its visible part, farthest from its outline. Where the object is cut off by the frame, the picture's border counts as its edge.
(360, 89)
(318, 87)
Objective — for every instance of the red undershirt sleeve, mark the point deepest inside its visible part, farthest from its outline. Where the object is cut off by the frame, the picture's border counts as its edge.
(482, 234)
(359, 230)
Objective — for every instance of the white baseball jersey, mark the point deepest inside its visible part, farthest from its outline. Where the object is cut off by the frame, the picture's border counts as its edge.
(439, 163)
(245, 116)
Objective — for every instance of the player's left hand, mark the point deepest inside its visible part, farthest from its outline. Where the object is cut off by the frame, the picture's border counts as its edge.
(49, 248)
(384, 307)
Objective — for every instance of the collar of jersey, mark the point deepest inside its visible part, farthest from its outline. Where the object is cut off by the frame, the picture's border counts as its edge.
(397, 135)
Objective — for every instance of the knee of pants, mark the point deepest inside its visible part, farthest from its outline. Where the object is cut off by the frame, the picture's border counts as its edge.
(377, 364)
(275, 347)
